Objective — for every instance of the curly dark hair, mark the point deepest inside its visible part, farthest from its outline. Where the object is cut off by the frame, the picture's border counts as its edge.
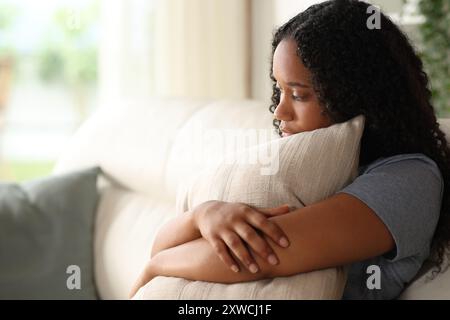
(375, 72)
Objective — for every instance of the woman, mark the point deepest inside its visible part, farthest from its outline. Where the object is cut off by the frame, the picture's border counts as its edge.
(327, 67)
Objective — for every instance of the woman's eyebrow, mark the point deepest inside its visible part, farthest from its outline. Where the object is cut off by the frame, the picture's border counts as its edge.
(297, 84)
(293, 83)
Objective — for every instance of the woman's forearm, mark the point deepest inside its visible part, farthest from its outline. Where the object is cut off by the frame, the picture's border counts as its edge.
(197, 260)
(334, 232)
(179, 230)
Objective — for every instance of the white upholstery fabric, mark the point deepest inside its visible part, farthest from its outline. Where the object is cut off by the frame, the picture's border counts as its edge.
(126, 225)
(326, 284)
(189, 154)
(131, 141)
(423, 288)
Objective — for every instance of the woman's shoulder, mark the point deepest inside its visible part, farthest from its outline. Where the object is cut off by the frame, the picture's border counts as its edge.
(407, 161)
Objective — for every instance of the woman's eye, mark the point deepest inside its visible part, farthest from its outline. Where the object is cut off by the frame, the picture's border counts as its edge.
(293, 96)
(298, 98)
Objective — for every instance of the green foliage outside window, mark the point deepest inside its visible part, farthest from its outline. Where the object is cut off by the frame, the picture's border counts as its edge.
(69, 51)
(435, 32)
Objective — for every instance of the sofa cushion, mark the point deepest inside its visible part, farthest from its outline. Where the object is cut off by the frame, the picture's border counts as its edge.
(426, 288)
(201, 140)
(302, 169)
(46, 237)
(131, 141)
(126, 225)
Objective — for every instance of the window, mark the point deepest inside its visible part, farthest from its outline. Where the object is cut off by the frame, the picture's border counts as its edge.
(48, 80)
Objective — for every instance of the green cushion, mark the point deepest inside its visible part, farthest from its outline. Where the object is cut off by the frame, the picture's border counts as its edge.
(46, 228)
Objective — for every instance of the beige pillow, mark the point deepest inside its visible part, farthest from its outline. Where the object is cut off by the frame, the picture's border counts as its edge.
(304, 168)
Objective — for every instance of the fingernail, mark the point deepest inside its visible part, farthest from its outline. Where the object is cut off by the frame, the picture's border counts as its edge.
(272, 259)
(235, 268)
(284, 242)
(253, 268)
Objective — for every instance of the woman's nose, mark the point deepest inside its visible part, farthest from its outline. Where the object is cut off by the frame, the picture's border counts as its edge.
(283, 112)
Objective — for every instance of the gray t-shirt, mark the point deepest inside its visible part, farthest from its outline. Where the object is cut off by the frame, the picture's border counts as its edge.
(405, 191)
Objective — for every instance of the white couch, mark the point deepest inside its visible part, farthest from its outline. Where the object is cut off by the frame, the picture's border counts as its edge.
(142, 149)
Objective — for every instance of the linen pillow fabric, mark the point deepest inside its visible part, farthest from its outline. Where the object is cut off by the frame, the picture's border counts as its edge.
(46, 234)
(305, 168)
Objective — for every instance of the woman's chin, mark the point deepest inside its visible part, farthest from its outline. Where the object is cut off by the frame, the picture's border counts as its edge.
(284, 134)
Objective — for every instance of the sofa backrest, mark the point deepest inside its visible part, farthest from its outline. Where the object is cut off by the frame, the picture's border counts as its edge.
(146, 147)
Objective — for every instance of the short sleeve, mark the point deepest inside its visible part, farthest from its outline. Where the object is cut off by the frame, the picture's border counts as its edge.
(405, 191)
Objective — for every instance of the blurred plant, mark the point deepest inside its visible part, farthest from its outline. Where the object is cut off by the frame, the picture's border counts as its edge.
(435, 33)
(69, 52)
(8, 14)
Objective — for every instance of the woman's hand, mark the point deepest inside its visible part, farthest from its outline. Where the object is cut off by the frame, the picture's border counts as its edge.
(226, 225)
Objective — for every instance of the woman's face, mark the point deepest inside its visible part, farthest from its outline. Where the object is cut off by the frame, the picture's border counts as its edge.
(299, 108)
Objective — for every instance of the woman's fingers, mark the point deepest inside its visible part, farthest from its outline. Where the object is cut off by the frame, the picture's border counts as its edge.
(275, 211)
(271, 229)
(234, 231)
(234, 242)
(257, 243)
(222, 251)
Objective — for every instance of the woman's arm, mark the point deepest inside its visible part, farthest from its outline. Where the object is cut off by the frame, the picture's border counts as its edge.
(337, 231)
(204, 264)
(185, 229)
(178, 230)
(192, 225)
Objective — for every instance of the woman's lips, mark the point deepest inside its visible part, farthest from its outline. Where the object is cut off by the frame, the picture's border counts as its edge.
(284, 132)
